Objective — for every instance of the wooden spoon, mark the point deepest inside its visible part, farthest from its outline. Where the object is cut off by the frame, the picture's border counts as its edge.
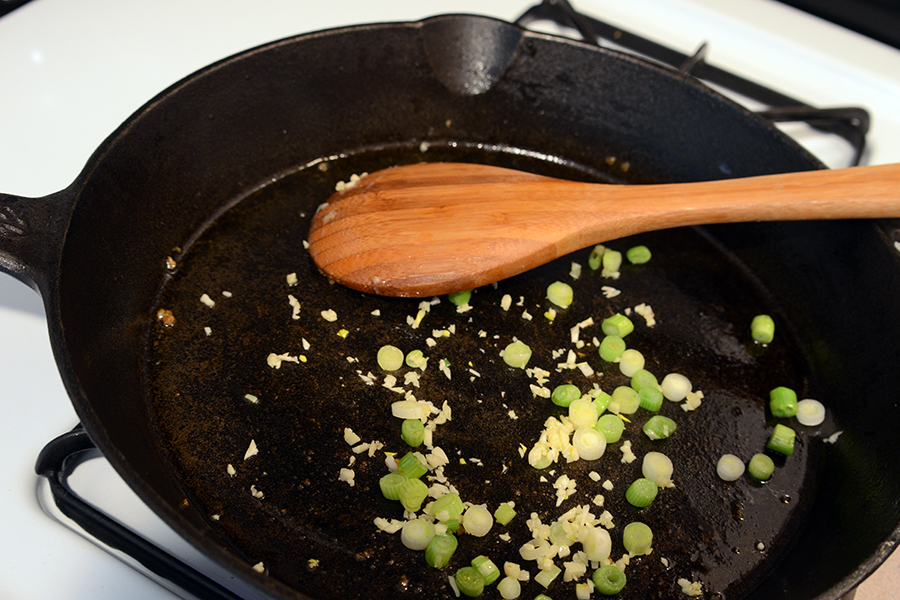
(434, 228)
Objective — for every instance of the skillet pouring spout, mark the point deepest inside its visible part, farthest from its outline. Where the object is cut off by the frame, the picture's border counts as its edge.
(435, 228)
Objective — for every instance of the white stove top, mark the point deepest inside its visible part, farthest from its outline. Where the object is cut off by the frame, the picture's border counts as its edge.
(71, 72)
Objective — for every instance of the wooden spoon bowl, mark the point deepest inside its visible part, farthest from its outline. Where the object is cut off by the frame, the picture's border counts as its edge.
(434, 228)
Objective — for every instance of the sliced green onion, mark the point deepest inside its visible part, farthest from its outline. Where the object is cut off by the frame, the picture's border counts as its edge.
(447, 507)
(612, 261)
(761, 467)
(627, 400)
(642, 492)
(675, 387)
(545, 577)
(782, 440)
(657, 467)
(729, 467)
(544, 596)
(618, 324)
(469, 582)
(595, 542)
(563, 395)
(560, 294)
(390, 358)
(637, 538)
(391, 483)
(659, 427)
(595, 260)
(783, 402)
(643, 378)
(611, 426)
(504, 513)
(609, 580)
(412, 466)
(583, 413)
(440, 550)
(517, 354)
(416, 534)
(611, 348)
(810, 412)
(460, 298)
(589, 443)
(651, 398)
(762, 329)
(477, 520)
(601, 401)
(488, 569)
(413, 432)
(453, 525)
(412, 493)
(631, 362)
(638, 255)
(416, 360)
(509, 588)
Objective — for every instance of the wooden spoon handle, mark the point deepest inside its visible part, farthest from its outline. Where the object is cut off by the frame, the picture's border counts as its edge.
(433, 228)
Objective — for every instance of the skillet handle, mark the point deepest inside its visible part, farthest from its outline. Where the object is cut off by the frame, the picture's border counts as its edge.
(32, 231)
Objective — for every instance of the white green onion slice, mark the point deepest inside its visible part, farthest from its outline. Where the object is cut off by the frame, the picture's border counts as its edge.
(631, 362)
(658, 468)
(589, 443)
(583, 413)
(560, 294)
(627, 400)
(416, 534)
(810, 412)
(517, 354)
(477, 520)
(390, 358)
(509, 588)
(675, 387)
(637, 538)
(729, 467)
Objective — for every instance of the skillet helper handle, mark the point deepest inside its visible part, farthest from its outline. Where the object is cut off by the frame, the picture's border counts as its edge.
(32, 231)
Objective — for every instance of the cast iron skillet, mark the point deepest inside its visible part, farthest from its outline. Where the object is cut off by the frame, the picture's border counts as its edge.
(220, 174)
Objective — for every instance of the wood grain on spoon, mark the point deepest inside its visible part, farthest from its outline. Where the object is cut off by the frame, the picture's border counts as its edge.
(433, 228)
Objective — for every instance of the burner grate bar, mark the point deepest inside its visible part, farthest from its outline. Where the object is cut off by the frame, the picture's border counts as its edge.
(850, 123)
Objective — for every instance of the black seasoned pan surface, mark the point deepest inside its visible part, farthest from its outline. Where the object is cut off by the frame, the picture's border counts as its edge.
(215, 393)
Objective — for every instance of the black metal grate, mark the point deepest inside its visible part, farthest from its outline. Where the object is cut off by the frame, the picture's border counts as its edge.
(850, 122)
